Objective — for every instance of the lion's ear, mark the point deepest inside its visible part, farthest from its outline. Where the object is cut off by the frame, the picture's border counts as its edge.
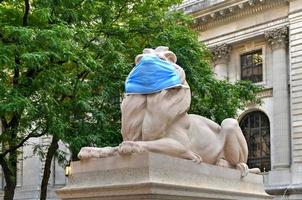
(145, 51)
(148, 51)
(138, 58)
(171, 56)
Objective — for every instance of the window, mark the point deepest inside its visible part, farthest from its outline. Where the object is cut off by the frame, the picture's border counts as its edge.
(255, 127)
(251, 66)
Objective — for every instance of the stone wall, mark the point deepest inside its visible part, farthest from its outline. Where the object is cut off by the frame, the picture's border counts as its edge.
(295, 38)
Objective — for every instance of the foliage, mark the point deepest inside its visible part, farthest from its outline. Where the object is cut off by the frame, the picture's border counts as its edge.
(63, 65)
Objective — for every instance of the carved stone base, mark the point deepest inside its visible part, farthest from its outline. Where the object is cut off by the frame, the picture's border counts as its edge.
(152, 176)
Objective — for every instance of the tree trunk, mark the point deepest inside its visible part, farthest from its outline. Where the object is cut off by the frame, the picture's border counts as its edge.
(9, 192)
(46, 174)
(10, 178)
(9, 162)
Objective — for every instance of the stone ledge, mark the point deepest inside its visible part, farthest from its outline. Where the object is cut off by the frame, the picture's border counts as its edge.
(154, 176)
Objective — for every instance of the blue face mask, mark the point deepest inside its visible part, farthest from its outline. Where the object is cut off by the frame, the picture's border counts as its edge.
(151, 75)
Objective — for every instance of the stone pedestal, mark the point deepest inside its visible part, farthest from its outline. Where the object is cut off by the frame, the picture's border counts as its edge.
(153, 176)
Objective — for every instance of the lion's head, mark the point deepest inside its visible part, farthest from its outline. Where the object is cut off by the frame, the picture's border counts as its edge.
(161, 51)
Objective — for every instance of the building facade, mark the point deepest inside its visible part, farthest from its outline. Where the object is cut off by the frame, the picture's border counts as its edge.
(261, 41)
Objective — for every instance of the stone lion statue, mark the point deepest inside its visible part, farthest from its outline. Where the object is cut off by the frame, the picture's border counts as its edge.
(156, 119)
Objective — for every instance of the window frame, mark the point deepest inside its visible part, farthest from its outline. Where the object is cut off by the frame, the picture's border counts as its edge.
(252, 66)
(264, 62)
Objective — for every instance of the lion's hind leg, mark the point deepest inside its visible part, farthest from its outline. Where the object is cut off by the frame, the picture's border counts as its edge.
(235, 146)
(235, 149)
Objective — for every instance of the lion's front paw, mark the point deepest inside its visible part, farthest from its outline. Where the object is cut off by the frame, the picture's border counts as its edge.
(128, 147)
(94, 152)
(106, 151)
(85, 153)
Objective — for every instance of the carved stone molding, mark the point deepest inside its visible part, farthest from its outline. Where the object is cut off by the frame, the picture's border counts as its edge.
(209, 13)
(265, 93)
(277, 37)
(221, 53)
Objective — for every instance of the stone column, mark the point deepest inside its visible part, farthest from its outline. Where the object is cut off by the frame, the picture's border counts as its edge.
(221, 56)
(280, 137)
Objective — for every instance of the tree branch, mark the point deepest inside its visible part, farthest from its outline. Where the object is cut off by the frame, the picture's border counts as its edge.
(30, 135)
(119, 13)
(88, 43)
(26, 12)
(4, 123)
(16, 71)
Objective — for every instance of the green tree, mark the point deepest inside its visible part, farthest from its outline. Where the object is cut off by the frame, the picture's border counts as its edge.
(63, 65)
